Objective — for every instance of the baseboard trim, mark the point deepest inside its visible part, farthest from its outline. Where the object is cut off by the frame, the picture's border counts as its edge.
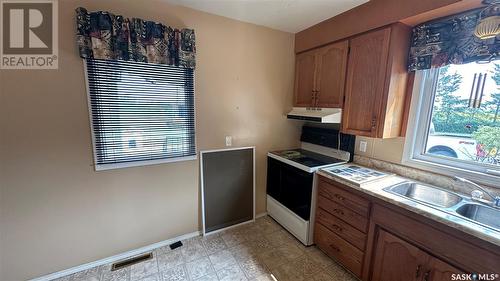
(115, 258)
(261, 215)
(236, 225)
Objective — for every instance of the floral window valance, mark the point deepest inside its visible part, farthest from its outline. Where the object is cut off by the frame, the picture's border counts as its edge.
(102, 35)
(450, 40)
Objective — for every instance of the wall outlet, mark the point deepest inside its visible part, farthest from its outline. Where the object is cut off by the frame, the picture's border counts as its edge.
(362, 146)
(229, 141)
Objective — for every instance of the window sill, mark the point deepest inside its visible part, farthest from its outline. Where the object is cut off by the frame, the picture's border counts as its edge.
(478, 177)
(143, 163)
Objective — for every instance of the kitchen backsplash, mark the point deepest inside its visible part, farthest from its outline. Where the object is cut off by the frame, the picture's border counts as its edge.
(419, 175)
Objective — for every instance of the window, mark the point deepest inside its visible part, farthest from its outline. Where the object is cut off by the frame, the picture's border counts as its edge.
(455, 125)
(140, 113)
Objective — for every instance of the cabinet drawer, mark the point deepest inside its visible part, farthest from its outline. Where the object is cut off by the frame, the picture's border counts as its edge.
(337, 248)
(340, 211)
(342, 229)
(344, 197)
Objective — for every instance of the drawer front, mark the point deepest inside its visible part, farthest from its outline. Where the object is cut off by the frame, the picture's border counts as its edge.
(342, 229)
(344, 197)
(337, 248)
(340, 211)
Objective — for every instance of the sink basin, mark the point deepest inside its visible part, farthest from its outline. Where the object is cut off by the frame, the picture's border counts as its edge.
(482, 214)
(425, 194)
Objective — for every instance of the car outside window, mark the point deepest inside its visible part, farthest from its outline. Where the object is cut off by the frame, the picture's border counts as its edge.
(456, 120)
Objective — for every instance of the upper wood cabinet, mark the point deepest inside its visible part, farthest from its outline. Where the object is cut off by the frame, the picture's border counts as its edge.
(305, 70)
(320, 76)
(331, 63)
(376, 82)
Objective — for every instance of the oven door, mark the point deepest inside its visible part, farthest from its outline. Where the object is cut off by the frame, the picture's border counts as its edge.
(290, 186)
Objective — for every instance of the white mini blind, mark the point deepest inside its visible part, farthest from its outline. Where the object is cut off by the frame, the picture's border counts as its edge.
(141, 113)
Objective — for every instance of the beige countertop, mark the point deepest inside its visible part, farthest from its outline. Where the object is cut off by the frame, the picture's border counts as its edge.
(375, 189)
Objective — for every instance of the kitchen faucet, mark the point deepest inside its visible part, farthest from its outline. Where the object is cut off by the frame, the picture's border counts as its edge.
(496, 199)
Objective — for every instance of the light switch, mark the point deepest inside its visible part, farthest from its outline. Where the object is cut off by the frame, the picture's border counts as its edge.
(229, 141)
(362, 146)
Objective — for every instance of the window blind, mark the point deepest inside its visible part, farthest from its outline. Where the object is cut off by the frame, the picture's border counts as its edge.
(140, 112)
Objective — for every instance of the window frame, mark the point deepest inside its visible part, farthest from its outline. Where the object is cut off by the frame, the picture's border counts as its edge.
(419, 124)
(140, 163)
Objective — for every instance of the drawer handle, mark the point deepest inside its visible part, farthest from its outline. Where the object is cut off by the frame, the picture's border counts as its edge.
(338, 211)
(339, 197)
(336, 227)
(335, 248)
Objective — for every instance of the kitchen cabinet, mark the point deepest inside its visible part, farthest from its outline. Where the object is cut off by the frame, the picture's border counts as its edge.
(305, 69)
(341, 225)
(339, 249)
(396, 260)
(449, 250)
(320, 76)
(380, 241)
(376, 82)
(440, 271)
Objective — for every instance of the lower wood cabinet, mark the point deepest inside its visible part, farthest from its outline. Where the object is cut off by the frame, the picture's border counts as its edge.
(378, 241)
(395, 259)
(440, 271)
(339, 249)
(341, 225)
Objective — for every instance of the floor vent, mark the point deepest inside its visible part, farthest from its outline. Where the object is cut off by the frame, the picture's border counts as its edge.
(131, 261)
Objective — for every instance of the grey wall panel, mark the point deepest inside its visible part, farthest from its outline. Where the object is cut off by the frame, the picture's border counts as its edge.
(228, 187)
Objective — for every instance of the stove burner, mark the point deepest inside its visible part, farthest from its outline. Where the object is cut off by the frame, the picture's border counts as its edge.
(289, 154)
(307, 158)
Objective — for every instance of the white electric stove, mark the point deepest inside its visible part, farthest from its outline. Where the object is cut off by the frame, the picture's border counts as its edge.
(291, 181)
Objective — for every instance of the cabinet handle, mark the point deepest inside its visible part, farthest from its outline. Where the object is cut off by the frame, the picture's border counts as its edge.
(426, 275)
(336, 227)
(339, 197)
(374, 122)
(338, 211)
(313, 98)
(417, 272)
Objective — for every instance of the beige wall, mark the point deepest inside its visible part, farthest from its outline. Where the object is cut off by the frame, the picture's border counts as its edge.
(57, 212)
(390, 150)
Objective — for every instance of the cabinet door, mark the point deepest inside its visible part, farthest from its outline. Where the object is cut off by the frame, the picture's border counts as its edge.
(365, 83)
(305, 67)
(397, 260)
(440, 271)
(331, 71)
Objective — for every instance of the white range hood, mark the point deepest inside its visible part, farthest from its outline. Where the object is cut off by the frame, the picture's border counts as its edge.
(321, 115)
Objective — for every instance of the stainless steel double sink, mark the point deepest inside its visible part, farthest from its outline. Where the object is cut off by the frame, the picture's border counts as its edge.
(449, 202)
